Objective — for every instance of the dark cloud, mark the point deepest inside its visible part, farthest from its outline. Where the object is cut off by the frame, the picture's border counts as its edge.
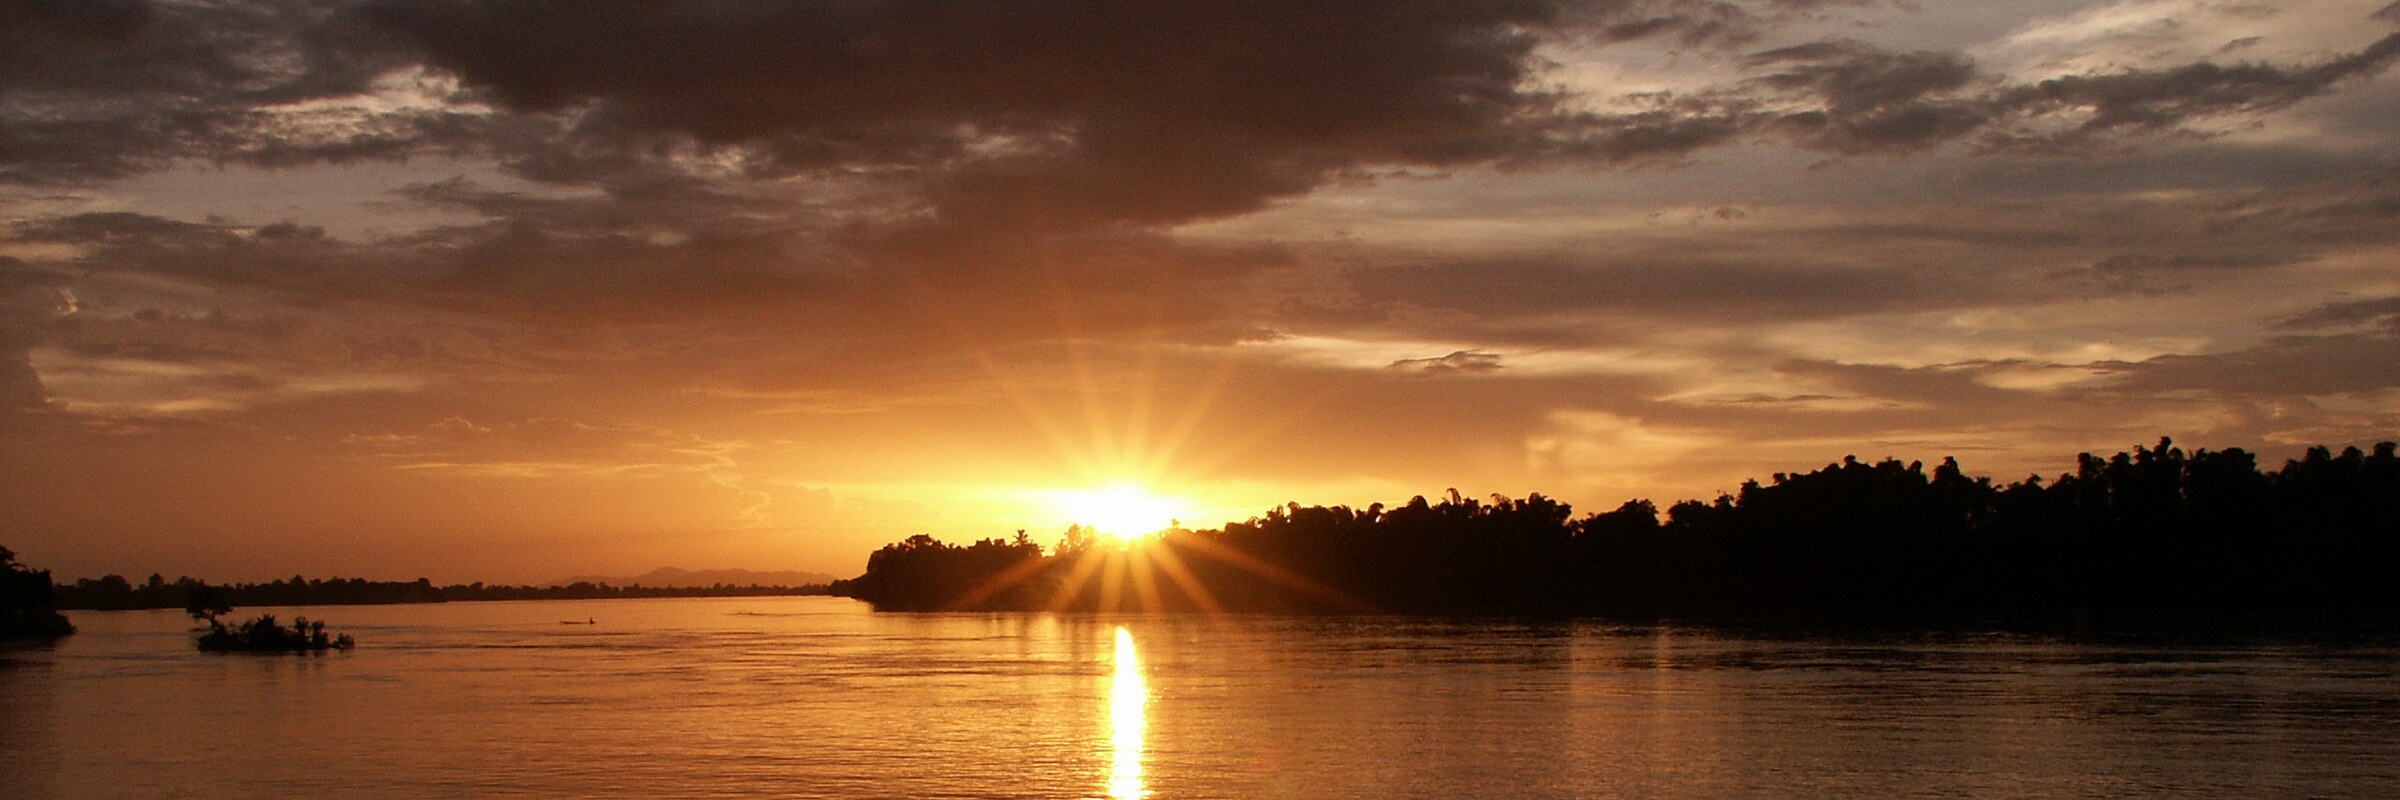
(2160, 99)
(1685, 288)
(31, 299)
(103, 227)
(1953, 387)
(1054, 114)
(107, 89)
(1677, 129)
(2384, 311)
(2281, 367)
(98, 21)
(1070, 110)
(1858, 98)
(1871, 99)
(1457, 362)
(283, 337)
(2152, 272)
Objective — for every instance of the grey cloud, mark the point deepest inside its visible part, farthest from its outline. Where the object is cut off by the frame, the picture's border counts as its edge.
(1859, 98)
(705, 267)
(1874, 100)
(1643, 136)
(559, 268)
(101, 227)
(31, 299)
(107, 89)
(1457, 362)
(1149, 111)
(2384, 311)
(2282, 367)
(156, 335)
(2156, 99)
(2152, 272)
(1055, 114)
(1947, 386)
(2145, 263)
(1726, 289)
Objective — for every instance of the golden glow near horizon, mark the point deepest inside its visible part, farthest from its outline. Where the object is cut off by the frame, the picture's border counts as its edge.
(1123, 510)
(1128, 721)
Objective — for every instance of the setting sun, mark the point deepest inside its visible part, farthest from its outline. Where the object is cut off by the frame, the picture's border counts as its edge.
(1123, 510)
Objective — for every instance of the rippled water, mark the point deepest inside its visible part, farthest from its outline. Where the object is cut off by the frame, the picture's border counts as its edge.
(816, 697)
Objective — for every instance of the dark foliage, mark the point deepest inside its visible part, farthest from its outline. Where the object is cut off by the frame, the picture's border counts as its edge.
(2156, 536)
(28, 609)
(922, 573)
(264, 635)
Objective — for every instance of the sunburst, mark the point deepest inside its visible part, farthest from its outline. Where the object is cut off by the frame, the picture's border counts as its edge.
(1124, 511)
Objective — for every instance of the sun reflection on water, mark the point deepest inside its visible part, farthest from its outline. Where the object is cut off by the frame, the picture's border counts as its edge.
(1128, 720)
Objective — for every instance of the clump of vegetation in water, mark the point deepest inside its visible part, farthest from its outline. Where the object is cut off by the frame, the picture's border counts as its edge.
(28, 609)
(261, 635)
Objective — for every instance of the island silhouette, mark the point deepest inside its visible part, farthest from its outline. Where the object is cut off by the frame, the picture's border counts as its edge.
(2157, 535)
(259, 635)
(28, 603)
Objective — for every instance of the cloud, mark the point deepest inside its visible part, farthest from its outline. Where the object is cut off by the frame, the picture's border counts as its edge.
(113, 88)
(1056, 112)
(2384, 311)
(1851, 97)
(2281, 367)
(1872, 100)
(2148, 100)
(1635, 287)
(30, 300)
(1458, 362)
(1045, 115)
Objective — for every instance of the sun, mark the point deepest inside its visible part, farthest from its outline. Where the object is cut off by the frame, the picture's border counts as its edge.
(1122, 510)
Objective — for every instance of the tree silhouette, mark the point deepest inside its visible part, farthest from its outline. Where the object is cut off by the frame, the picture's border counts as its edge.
(28, 608)
(2153, 536)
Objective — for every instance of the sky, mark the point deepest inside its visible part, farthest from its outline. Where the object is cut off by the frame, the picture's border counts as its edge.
(508, 291)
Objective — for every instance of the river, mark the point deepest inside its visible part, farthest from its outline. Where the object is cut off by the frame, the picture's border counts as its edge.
(814, 697)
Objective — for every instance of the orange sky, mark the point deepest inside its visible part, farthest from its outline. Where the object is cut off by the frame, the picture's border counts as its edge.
(509, 292)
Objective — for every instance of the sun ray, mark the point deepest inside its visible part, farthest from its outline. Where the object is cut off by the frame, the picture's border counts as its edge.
(1112, 580)
(1079, 575)
(1122, 510)
(1002, 582)
(1145, 584)
(1203, 400)
(1172, 566)
(1256, 566)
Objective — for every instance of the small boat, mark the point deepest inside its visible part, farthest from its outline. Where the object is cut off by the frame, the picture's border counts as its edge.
(584, 621)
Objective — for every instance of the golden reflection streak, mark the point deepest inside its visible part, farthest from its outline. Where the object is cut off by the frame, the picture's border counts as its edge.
(1128, 721)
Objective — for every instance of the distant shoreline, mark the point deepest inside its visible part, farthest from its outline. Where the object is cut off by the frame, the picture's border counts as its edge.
(105, 594)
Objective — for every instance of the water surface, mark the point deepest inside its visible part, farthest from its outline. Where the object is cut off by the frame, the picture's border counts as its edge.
(819, 698)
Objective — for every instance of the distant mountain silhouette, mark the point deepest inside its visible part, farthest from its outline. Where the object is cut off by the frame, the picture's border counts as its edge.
(672, 577)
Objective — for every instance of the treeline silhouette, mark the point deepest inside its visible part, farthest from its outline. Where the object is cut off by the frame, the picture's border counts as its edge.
(28, 608)
(115, 592)
(2154, 535)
